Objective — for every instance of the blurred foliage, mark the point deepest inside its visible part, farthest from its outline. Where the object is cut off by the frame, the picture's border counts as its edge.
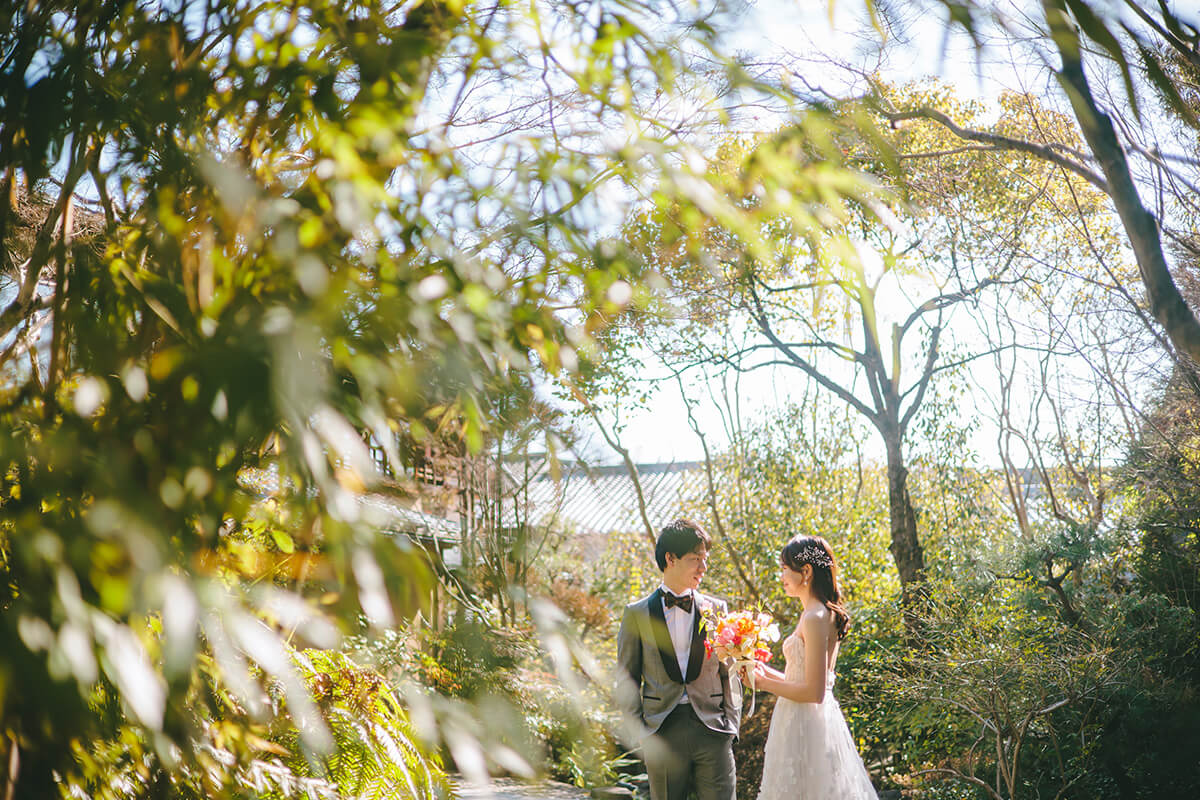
(375, 753)
(259, 236)
(468, 659)
(378, 753)
(502, 676)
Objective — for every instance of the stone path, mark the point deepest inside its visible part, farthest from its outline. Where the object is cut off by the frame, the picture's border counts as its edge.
(510, 789)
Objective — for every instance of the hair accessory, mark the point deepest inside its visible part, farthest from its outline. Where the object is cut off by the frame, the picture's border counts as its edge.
(815, 555)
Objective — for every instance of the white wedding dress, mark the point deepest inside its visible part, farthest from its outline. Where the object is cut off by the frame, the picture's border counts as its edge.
(810, 754)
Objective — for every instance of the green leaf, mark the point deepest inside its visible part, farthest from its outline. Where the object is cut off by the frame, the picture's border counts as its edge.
(1166, 86)
(283, 541)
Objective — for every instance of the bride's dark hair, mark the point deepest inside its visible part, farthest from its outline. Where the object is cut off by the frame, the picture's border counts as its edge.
(815, 551)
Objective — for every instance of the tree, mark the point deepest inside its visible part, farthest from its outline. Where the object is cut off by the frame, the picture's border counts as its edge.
(1009, 695)
(1147, 47)
(253, 236)
(834, 301)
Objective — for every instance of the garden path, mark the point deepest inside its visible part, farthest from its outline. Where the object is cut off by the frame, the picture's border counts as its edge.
(510, 789)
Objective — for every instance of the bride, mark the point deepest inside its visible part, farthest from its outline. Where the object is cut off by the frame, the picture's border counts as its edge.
(809, 752)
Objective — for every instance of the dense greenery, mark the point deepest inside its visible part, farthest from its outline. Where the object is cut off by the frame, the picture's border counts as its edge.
(254, 236)
(261, 259)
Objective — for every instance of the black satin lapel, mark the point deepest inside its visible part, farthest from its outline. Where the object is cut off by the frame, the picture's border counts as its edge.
(662, 637)
(696, 656)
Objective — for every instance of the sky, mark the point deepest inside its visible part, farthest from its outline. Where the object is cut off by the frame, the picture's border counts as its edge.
(661, 432)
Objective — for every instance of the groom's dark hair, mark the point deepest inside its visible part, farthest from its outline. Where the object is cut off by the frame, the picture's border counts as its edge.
(679, 538)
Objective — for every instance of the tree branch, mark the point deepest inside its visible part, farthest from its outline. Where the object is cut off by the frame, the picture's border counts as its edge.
(714, 506)
(946, 300)
(1166, 303)
(22, 304)
(837, 349)
(630, 466)
(797, 360)
(998, 142)
(1169, 36)
(926, 375)
(953, 773)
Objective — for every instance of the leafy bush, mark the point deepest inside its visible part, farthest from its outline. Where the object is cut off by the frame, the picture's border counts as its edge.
(502, 674)
(1007, 699)
(1148, 723)
(373, 750)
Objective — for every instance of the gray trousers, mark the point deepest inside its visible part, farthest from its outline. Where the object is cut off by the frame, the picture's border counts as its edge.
(685, 756)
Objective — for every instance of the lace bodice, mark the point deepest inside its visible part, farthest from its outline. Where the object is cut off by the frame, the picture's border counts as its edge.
(793, 654)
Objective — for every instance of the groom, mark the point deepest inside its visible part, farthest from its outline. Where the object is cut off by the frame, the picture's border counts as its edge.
(688, 703)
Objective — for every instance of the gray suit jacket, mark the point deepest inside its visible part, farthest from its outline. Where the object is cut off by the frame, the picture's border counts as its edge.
(651, 683)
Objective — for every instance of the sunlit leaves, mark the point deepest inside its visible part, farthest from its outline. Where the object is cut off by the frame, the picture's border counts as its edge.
(799, 472)
(289, 248)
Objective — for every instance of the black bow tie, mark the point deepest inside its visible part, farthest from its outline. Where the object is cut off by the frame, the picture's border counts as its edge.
(683, 603)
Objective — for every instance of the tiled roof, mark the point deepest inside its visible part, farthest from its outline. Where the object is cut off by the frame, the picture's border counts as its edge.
(392, 517)
(592, 500)
(386, 513)
(582, 500)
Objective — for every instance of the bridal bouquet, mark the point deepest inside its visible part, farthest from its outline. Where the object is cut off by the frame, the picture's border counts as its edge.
(742, 636)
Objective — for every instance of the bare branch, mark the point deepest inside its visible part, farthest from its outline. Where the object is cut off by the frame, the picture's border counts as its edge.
(23, 303)
(714, 506)
(997, 142)
(946, 300)
(953, 773)
(630, 466)
(795, 359)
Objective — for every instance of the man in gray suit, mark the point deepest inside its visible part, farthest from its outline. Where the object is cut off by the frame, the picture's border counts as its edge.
(687, 702)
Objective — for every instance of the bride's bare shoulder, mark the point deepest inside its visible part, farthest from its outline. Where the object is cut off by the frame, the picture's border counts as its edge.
(817, 612)
(815, 620)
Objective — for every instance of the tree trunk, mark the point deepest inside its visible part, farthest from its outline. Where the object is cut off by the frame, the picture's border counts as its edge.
(906, 546)
(1166, 302)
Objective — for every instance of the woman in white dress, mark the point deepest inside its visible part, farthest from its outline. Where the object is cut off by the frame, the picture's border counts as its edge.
(810, 754)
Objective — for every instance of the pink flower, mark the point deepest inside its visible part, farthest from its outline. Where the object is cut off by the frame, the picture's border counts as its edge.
(740, 635)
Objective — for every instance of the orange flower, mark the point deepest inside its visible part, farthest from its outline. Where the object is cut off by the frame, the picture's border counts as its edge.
(740, 635)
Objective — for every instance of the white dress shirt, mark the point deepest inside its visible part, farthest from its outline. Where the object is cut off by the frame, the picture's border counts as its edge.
(679, 625)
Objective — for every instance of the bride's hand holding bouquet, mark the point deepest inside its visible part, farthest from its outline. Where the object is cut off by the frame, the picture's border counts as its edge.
(743, 637)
